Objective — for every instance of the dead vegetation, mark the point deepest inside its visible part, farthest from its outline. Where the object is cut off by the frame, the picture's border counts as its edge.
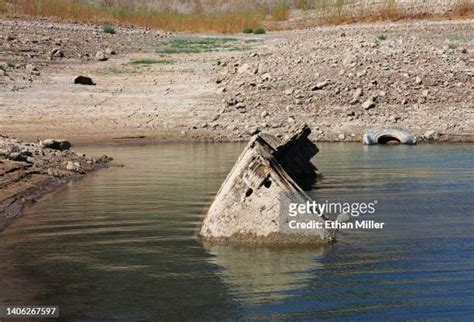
(336, 12)
(281, 11)
(233, 16)
(116, 14)
(464, 8)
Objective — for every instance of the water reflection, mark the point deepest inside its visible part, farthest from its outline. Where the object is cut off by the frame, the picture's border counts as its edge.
(120, 243)
(263, 272)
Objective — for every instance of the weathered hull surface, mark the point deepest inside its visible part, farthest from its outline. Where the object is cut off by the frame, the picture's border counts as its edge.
(251, 203)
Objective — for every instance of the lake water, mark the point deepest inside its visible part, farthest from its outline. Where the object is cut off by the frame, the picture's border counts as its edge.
(119, 244)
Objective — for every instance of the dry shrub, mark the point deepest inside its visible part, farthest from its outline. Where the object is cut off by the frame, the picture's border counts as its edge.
(281, 11)
(3, 6)
(223, 16)
(464, 8)
(390, 10)
(302, 4)
(116, 14)
(335, 13)
(340, 13)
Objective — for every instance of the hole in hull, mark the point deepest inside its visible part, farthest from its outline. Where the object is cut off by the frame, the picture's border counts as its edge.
(267, 183)
(388, 139)
(248, 192)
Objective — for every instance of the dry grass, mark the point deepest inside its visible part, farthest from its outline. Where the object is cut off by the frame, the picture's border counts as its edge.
(281, 11)
(464, 8)
(77, 10)
(303, 4)
(3, 6)
(335, 12)
(238, 15)
(341, 13)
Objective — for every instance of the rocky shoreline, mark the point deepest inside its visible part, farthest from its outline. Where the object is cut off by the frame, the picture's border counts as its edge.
(342, 81)
(30, 170)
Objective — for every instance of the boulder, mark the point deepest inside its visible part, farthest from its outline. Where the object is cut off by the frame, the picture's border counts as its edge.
(357, 93)
(368, 104)
(83, 80)
(320, 85)
(109, 51)
(431, 135)
(31, 68)
(60, 145)
(56, 52)
(100, 56)
(73, 166)
(19, 156)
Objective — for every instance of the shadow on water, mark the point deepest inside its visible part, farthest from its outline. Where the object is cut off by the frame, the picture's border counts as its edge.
(120, 243)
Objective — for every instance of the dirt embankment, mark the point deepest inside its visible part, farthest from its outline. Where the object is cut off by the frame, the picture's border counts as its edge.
(340, 80)
(30, 46)
(345, 80)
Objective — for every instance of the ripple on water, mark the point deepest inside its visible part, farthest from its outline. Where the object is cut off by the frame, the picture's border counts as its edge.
(120, 243)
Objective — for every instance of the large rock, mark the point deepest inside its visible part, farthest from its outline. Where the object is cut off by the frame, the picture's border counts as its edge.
(252, 203)
(100, 56)
(432, 135)
(19, 156)
(56, 52)
(83, 80)
(368, 104)
(56, 144)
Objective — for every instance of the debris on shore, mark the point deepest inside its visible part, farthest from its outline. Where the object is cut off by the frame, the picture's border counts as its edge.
(343, 86)
(389, 135)
(29, 170)
(252, 203)
(29, 47)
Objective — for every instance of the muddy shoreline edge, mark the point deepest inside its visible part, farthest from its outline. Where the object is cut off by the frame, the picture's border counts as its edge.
(23, 182)
(341, 80)
(184, 138)
(30, 170)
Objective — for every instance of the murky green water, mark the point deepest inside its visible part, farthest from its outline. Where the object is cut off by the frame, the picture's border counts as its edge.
(119, 244)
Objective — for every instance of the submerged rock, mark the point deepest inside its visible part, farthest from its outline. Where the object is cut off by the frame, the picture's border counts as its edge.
(252, 203)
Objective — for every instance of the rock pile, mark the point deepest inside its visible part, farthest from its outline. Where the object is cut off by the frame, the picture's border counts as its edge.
(27, 47)
(342, 86)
